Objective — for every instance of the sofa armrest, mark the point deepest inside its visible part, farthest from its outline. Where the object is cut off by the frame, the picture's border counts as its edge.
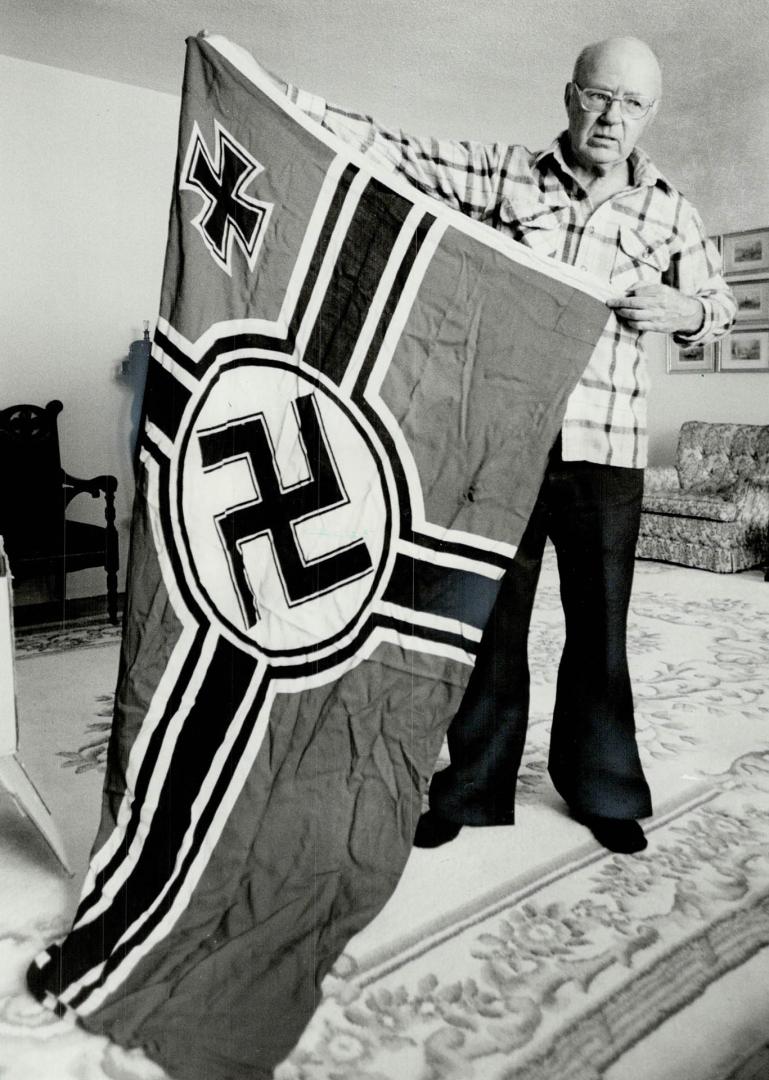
(752, 499)
(661, 478)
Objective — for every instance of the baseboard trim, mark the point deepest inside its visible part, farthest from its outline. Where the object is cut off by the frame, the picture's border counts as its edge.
(58, 613)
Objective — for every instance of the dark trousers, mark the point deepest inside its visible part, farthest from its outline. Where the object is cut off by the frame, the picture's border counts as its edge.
(591, 513)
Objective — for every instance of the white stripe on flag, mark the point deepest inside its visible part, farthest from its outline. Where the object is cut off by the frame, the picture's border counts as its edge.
(403, 308)
(421, 645)
(447, 558)
(160, 439)
(428, 620)
(379, 635)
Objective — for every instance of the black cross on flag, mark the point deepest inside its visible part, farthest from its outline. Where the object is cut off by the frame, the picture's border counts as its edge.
(229, 214)
(310, 574)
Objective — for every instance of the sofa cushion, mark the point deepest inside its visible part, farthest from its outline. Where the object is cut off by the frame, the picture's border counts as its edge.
(690, 504)
(750, 452)
(703, 459)
(713, 457)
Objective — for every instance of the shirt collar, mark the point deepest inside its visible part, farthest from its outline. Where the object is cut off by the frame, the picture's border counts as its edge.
(645, 172)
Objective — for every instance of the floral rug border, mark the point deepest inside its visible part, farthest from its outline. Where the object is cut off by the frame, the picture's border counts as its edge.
(563, 983)
(593, 1042)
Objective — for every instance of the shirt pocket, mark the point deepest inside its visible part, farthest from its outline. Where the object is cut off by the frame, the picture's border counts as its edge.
(642, 255)
(532, 223)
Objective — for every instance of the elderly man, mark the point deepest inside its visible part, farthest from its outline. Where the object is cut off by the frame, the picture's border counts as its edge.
(594, 200)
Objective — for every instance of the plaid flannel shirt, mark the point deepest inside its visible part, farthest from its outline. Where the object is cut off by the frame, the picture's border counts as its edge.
(646, 233)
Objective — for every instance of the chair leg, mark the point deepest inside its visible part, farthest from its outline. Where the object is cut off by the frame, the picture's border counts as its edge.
(112, 553)
(112, 597)
(60, 590)
(111, 566)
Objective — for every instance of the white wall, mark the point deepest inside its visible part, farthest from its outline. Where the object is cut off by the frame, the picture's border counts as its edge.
(722, 396)
(716, 151)
(83, 216)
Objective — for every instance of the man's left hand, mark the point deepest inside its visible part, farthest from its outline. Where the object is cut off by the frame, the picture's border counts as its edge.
(660, 308)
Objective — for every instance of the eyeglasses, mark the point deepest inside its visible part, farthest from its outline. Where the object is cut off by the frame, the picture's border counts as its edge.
(593, 100)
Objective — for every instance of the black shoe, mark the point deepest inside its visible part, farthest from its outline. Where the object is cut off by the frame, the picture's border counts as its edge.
(623, 835)
(35, 983)
(433, 830)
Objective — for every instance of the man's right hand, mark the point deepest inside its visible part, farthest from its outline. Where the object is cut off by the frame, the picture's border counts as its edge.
(654, 306)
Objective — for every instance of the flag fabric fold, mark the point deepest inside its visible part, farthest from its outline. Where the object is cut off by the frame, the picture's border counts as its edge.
(351, 399)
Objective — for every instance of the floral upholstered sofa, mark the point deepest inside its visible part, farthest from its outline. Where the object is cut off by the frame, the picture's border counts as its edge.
(710, 510)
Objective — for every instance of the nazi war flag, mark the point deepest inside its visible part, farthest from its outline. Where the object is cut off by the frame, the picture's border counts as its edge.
(352, 396)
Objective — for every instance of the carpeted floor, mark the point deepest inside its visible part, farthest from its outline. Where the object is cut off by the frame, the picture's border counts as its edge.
(523, 953)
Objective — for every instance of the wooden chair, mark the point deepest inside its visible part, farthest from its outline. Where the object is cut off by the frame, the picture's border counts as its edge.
(34, 494)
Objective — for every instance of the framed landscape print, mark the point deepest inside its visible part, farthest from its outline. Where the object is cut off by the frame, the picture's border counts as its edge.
(690, 359)
(752, 300)
(746, 252)
(745, 350)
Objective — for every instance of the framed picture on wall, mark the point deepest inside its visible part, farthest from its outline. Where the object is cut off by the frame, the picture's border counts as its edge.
(752, 300)
(683, 359)
(745, 350)
(746, 252)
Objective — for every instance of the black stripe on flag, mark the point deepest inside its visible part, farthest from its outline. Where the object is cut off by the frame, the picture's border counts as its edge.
(224, 685)
(428, 633)
(219, 790)
(453, 547)
(173, 352)
(165, 399)
(442, 590)
(146, 769)
(319, 253)
(367, 246)
(174, 701)
(401, 277)
(410, 629)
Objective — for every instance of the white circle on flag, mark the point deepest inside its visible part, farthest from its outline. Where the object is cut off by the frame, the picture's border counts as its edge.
(282, 507)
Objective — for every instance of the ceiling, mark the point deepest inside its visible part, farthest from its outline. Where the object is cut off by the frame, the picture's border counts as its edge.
(700, 42)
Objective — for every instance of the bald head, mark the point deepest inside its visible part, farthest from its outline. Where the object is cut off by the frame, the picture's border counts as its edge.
(627, 54)
(619, 69)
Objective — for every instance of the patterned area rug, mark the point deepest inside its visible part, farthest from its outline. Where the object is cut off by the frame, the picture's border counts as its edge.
(521, 953)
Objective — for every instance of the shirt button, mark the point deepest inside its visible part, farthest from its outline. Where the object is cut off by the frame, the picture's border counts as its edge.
(591, 229)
